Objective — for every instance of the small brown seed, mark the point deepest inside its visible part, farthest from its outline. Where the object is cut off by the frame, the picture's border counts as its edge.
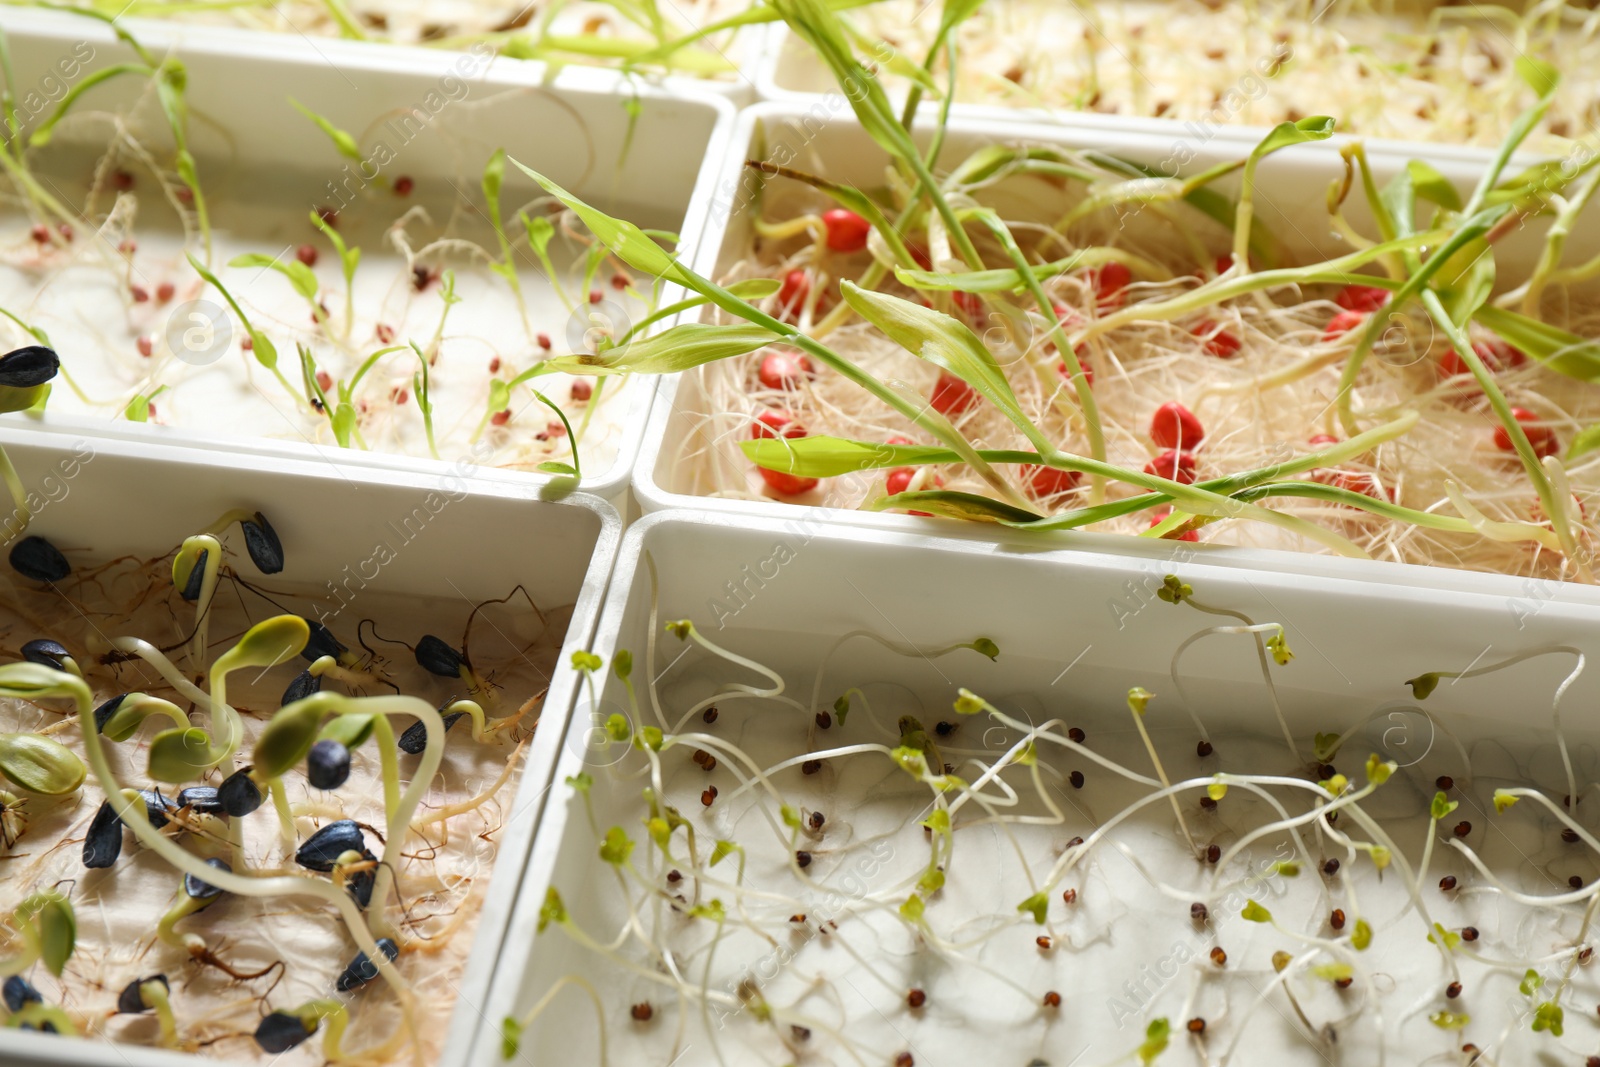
(1453, 990)
(1569, 835)
(798, 917)
(1207, 804)
(1343, 983)
(824, 720)
(1336, 920)
(642, 1012)
(1575, 882)
(817, 819)
(1330, 868)
(802, 859)
(1213, 853)
(674, 877)
(800, 1033)
(1445, 782)
(1042, 941)
(811, 766)
(1075, 842)
(1076, 778)
(1069, 896)
(1583, 957)
(1219, 957)
(1463, 828)
(1327, 770)
(1469, 933)
(1197, 1026)
(1052, 999)
(1447, 883)
(1076, 735)
(916, 998)
(945, 729)
(710, 764)
(904, 1060)
(1198, 912)
(708, 795)
(1203, 748)
(709, 715)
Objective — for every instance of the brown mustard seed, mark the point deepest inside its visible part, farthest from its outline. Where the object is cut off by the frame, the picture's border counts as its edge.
(1219, 957)
(1327, 770)
(1052, 999)
(1592, 1061)
(1447, 883)
(1207, 804)
(1075, 842)
(904, 1060)
(1076, 734)
(1197, 1026)
(1575, 882)
(798, 917)
(1076, 778)
(710, 764)
(708, 795)
(1336, 920)
(1198, 912)
(674, 877)
(802, 859)
(945, 729)
(811, 766)
(916, 998)
(1445, 782)
(817, 819)
(1584, 956)
(1463, 828)
(1330, 868)
(1569, 835)
(800, 1033)
(709, 715)
(642, 1012)
(824, 720)
(1069, 896)
(1453, 990)
(701, 755)
(1042, 941)
(1203, 749)
(1343, 983)
(1469, 933)
(1213, 853)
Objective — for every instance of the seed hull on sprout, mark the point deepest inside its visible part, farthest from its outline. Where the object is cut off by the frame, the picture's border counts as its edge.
(1141, 366)
(1418, 71)
(300, 944)
(823, 962)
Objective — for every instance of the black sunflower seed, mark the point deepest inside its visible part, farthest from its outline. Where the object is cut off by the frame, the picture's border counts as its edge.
(103, 843)
(321, 643)
(323, 848)
(436, 657)
(156, 807)
(103, 713)
(199, 890)
(204, 799)
(362, 970)
(361, 883)
(27, 367)
(46, 653)
(328, 764)
(305, 683)
(19, 993)
(197, 577)
(36, 558)
(261, 541)
(239, 794)
(415, 738)
(280, 1032)
(130, 1001)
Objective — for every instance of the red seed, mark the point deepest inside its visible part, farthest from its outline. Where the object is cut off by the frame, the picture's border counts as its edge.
(847, 231)
(1197, 1026)
(166, 291)
(306, 254)
(1187, 535)
(328, 216)
(1219, 957)
(952, 397)
(620, 281)
(403, 186)
(1174, 466)
(555, 429)
(399, 396)
(247, 343)
(1213, 853)
(1048, 482)
(1323, 439)
(916, 998)
(500, 418)
(385, 333)
(1218, 342)
(1497, 356)
(1453, 990)
(772, 423)
(642, 1012)
(1362, 298)
(185, 196)
(1342, 323)
(596, 295)
(324, 380)
(1052, 999)
(1175, 426)
(139, 293)
(1542, 438)
(1111, 284)
(1043, 942)
(793, 294)
(65, 231)
(40, 234)
(121, 181)
(786, 484)
(126, 247)
(1336, 920)
(494, 365)
(781, 369)
(969, 304)
(146, 345)
(1069, 896)
(1469, 933)
(904, 1060)
(581, 392)
(1447, 883)
(543, 341)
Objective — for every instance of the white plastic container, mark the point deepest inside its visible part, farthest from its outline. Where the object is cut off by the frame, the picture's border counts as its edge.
(264, 167)
(484, 537)
(825, 138)
(1075, 630)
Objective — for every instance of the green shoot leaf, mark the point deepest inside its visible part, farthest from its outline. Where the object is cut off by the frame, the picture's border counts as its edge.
(1037, 905)
(1254, 912)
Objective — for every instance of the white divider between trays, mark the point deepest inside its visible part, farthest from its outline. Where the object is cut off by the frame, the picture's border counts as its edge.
(1355, 642)
(221, 52)
(1289, 185)
(144, 498)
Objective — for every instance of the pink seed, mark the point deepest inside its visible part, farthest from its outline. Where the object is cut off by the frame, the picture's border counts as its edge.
(1174, 466)
(952, 396)
(165, 292)
(581, 392)
(1175, 426)
(782, 369)
(307, 255)
(500, 418)
(847, 231)
(146, 345)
